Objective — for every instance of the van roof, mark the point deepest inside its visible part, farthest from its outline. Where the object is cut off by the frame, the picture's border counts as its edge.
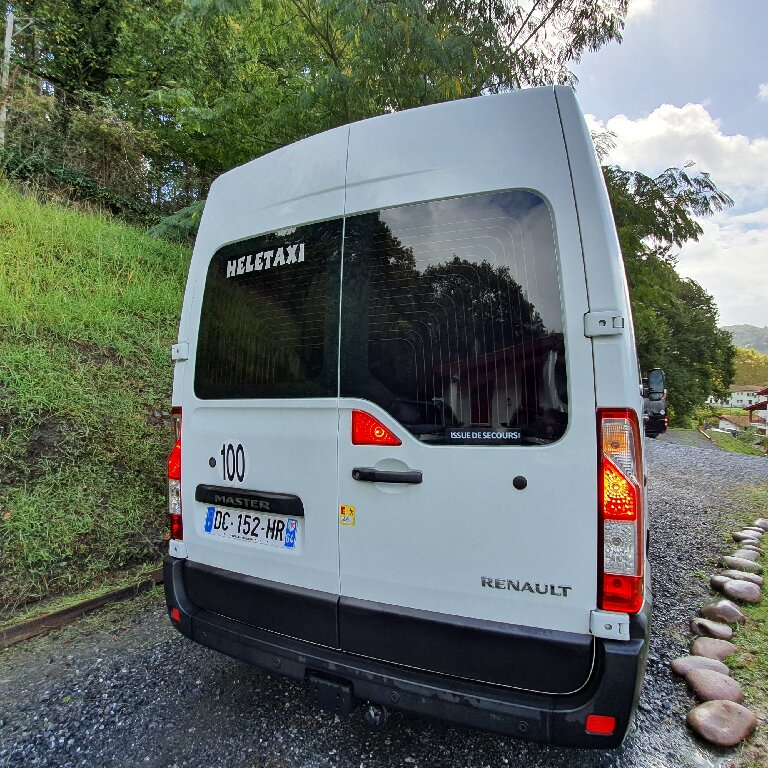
(439, 147)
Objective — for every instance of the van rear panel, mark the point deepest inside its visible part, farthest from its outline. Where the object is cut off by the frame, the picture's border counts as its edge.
(423, 272)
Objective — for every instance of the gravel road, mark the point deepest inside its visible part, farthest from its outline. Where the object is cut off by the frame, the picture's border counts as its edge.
(135, 693)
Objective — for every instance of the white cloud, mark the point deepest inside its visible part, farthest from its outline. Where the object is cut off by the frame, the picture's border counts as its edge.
(640, 8)
(762, 92)
(731, 261)
(731, 258)
(674, 135)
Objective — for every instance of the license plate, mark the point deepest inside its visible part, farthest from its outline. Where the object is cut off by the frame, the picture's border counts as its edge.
(270, 530)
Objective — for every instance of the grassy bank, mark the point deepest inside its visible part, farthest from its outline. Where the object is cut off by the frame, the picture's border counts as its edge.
(750, 665)
(734, 445)
(88, 311)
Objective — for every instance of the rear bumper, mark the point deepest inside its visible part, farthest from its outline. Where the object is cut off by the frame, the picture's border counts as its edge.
(613, 688)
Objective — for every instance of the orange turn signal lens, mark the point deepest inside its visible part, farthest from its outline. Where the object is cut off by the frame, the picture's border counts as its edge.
(620, 497)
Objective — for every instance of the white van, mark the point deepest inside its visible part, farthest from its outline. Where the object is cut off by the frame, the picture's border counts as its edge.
(408, 465)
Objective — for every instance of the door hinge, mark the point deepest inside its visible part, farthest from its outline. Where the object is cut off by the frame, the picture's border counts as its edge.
(610, 625)
(180, 352)
(607, 323)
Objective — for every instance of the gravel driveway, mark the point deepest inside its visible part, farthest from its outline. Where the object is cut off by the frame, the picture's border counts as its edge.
(139, 694)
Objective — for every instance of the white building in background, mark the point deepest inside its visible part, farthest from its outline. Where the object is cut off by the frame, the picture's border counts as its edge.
(741, 396)
(758, 411)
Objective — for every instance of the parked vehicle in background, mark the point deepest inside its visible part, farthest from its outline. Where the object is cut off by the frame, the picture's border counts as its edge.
(407, 392)
(655, 411)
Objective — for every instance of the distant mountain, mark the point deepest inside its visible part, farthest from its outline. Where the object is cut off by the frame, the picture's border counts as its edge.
(749, 336)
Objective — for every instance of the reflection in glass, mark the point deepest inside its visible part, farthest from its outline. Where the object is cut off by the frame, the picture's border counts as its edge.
(269, 320)
(452, 321)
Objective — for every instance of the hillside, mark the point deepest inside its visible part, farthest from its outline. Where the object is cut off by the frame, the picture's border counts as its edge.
(749, 336)
(88, 311)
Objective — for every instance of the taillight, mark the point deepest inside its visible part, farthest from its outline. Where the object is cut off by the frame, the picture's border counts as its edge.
(174, 480)
(620, 491)
(367, 430)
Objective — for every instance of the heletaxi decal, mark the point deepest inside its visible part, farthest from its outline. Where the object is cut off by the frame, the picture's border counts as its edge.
(256, 262)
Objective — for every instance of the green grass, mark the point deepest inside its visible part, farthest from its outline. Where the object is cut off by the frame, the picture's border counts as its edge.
(734, 445)
(750, 665)
(60, 602)
(88, 311)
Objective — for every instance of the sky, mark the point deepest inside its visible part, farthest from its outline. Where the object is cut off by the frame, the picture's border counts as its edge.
(689, 82)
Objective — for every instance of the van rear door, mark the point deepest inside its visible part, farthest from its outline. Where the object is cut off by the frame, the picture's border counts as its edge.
(469, 548)
(260, 417)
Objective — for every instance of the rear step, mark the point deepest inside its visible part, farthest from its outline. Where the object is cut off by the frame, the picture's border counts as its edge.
(332, 695)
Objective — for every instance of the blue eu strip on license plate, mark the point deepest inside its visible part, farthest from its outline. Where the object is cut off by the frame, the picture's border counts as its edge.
(271, 530)
(290, 533)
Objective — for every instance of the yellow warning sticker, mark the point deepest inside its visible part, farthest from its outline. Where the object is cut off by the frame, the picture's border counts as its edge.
(346, 515)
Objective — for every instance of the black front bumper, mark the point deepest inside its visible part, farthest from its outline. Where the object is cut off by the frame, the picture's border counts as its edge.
(613, 688)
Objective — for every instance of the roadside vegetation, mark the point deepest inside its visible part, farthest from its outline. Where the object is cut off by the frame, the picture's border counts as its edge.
(750, 665)
(742, 443)
(88, 310)
(751, 367)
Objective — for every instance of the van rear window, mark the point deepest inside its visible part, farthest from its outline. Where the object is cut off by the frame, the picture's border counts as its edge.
(452, 319)
(269, 320)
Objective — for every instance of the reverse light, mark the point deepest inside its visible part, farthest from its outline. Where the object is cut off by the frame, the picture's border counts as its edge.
(367, 430)
(620, 488)
(174, 480)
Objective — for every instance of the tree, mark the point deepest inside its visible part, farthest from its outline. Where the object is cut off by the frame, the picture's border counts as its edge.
(751, 367)
(676, 320)
(218, 82)
(362, 59)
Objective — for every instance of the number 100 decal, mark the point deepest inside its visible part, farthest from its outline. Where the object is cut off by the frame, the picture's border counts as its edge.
(234, 462)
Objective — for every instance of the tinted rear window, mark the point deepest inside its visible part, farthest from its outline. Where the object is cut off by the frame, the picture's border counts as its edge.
(269, 320)
(452, 319)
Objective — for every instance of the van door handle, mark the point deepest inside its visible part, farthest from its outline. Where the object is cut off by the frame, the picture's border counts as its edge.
(371, 475)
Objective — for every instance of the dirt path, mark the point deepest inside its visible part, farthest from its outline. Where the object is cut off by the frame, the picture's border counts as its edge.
(690, 437)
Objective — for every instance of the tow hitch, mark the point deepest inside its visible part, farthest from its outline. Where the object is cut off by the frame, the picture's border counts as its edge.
(375, 716)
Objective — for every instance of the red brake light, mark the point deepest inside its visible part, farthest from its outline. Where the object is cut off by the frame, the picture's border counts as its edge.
(601, 724)
(174, 462)
(367, 430)
(620, 490)
(622, 593)
(174, 481)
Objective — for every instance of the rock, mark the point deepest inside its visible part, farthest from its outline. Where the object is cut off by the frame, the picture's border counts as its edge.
(761, 523)
(750, 547)
(714, 686)
(723, 723)
(745, 536)
(708, 628)
(723, 610)
(742, 590)
(746, 554)
(739, 564)
(717, 581)
(744, 576)
(759, 532)
(712, 648)
(685, 664)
